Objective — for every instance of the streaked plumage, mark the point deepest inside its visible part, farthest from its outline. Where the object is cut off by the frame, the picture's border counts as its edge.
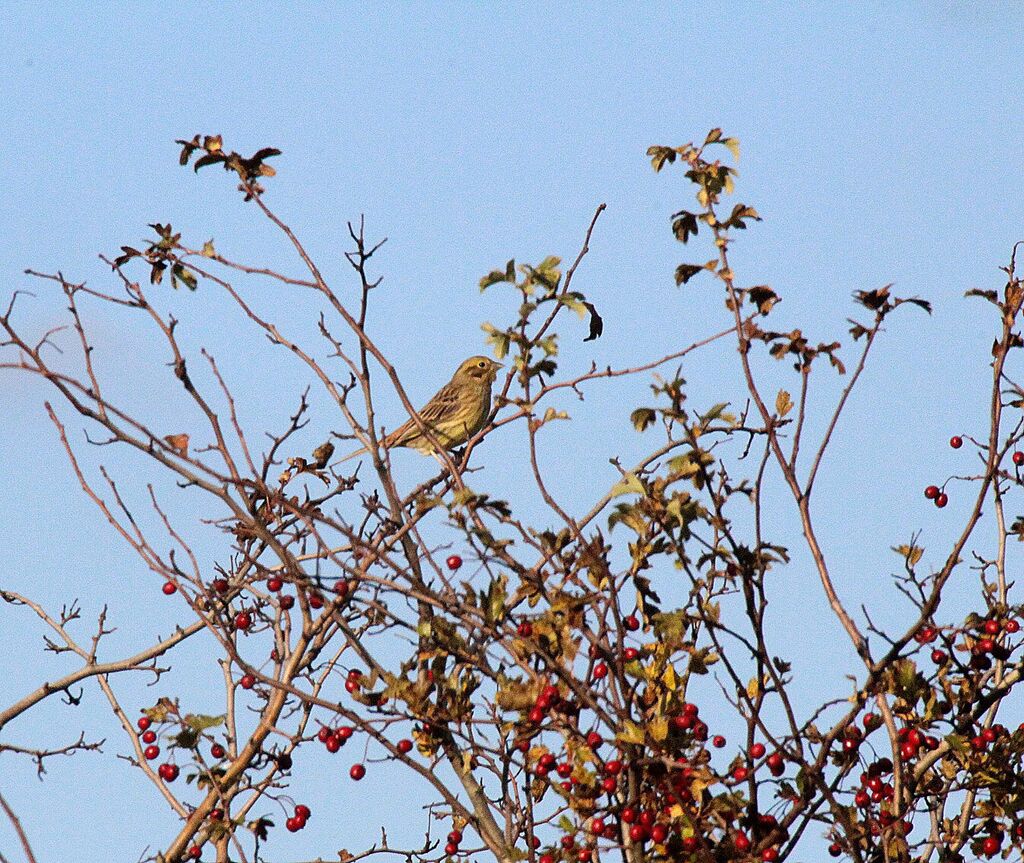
(456, 412)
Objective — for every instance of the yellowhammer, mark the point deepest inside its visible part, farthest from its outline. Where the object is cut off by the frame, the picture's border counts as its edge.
(456, 412)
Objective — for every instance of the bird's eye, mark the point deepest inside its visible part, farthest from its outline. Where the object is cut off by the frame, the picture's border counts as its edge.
(482, 364)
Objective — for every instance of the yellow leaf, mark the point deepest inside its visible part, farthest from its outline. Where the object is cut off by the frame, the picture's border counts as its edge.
(783, 403)
(631, 733)
(669, 678)
(658, 728)
(911, 553)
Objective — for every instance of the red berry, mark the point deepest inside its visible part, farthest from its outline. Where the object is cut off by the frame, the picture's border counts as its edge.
(352, 684)
(594, 740)
(345, 732)
(956, 441)
(631, 623)
(149, 737)
(628, 814)
(404, 746)
(770, 854)
(316, 600)
(195, 852)
(992, 627)
(638, 833)
(613, 767)
(741, 842)
(451, 849)
(740, 774)
(718, 741)
(630, 654)
(333, 743)
(942, 500)
(546, 858)
(835, 849)
(596, 825)
(600, 671)
(302, 811)
(659, 833)
(453, 562)
(286, 602)
(757, 750)
(168, 772)
(143, 722)
(341, 587)
(609, 784)
(1012, 625)
(217, 751)
(991, 844)
(151, 753)
(243, 620)
(536, 715)
(248, 681)
(169, 588)
(293, 825)
(564, 770)
(357, 771)
(274, 584)
(1018, 458)
(524, 630)
(455, 836)
(220, 585)
(931, 492)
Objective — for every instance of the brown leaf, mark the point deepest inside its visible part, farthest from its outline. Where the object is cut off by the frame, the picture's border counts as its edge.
(179, 443)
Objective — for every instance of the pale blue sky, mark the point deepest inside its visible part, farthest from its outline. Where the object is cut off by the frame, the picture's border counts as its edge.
(881, 142)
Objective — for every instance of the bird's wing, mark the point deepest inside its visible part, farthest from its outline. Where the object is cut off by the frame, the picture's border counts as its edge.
(443, 403)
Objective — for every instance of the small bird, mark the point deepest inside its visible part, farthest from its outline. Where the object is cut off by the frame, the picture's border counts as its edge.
(456, 412)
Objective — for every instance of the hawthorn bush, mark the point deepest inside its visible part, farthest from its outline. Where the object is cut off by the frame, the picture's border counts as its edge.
(536, 678)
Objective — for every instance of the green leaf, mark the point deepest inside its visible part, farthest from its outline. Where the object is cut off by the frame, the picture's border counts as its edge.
(642, 418)
(500, 341)
(201, 722)
(186, 276)
(495, 277)
(629, 484)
